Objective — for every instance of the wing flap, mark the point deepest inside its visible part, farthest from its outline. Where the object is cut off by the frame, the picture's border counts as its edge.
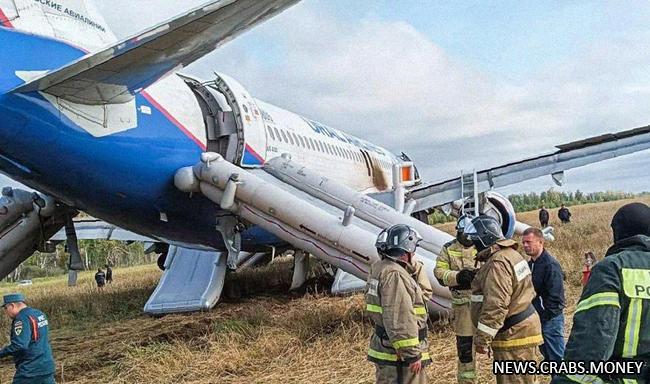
(572, 155)
(114, 75)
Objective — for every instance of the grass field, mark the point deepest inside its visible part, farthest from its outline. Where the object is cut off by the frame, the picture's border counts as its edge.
(271, 338)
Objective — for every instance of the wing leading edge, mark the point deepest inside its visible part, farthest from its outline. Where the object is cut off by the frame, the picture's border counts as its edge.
(114, 75)
(571, 155)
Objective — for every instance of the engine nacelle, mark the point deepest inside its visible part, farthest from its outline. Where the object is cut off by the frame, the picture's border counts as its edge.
(27, 220)
(492, 204)
(499, 207)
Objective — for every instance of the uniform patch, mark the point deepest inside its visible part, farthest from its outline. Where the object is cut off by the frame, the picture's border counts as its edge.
(521, 270)
(18, 328)
(636, 283)
(372, 287)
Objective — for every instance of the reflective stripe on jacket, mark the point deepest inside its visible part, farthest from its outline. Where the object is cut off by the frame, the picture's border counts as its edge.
(612, 318)
(396, 303)
(502, 288)
(454, 257)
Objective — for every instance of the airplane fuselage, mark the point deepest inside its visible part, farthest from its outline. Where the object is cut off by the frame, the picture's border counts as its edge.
(121, 168)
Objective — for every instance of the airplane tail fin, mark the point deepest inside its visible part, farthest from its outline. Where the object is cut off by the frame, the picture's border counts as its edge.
(77, 22)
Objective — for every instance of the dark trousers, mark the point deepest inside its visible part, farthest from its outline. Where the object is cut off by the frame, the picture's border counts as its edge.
(553, 334)
(47, 379)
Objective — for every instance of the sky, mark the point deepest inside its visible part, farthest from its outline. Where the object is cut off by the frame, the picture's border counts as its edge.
(456, 85)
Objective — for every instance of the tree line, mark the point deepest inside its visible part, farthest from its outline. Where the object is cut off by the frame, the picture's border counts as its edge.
(550, 199)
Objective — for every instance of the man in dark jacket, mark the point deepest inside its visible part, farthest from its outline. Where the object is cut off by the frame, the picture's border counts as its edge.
(100, 278)
(564, 215)
(543, 217)
(612, 318)
(109, 274)
(30, 346)
(549, 286)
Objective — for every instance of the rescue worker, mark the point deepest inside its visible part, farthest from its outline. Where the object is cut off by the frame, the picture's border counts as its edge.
(502, 292)
(30, 346)
(396, 305)
(612, 318)
(455, 268)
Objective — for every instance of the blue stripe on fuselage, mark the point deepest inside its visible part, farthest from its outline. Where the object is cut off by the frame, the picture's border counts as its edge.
(125, 178)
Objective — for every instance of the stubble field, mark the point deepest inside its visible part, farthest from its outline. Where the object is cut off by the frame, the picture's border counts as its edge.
(253, 338)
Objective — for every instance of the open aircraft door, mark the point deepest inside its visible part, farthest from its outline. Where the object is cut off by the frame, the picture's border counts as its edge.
(234, 123)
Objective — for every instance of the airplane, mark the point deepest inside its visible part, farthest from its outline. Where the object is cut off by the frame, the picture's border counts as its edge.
(115, 129)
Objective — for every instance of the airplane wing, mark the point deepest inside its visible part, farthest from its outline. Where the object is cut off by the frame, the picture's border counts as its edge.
(571, 155)
(115, 74)
(100, 230)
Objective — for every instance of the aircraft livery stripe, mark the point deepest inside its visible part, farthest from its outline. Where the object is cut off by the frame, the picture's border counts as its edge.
(254, 154)
(4, 20)
(172, 119)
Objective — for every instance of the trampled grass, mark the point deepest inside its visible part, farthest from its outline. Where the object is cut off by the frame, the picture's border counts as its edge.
(270, 338)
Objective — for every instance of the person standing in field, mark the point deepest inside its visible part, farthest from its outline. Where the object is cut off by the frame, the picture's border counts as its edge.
(612, 319)
(543, 217)
(109, 274)
(590, 261)
(100, 279)
(30, 345)
(564, 214)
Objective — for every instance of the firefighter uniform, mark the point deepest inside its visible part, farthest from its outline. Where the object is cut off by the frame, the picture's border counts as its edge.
(453, 258)
(612, 318)
(505, 319)
(396, 305)
(30, 348)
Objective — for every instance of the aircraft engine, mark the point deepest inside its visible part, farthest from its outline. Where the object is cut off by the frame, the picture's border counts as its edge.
(499, 207)
(27, 221)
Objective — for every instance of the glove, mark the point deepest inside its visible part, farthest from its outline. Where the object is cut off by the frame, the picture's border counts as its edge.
(464, 278)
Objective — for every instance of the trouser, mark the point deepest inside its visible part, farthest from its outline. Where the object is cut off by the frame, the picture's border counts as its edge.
(389, 374)
(524, 353)
(466, 373)
(46, 379)
(544, 224)
(553, 334)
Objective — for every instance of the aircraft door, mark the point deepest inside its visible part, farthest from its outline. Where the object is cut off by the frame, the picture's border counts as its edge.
(222, 132)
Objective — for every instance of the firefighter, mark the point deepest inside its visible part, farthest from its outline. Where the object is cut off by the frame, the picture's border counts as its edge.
(30, 346)
(455, 268)
(502, 292)
(612, 318)
(396, 305)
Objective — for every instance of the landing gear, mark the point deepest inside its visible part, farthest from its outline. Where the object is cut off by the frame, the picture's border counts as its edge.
(75, 264)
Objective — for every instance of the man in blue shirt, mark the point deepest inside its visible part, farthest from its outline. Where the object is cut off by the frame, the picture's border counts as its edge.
(30, 346)
(548, 281)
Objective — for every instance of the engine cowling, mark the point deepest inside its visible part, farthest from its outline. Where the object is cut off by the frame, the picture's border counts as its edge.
(499, 207)
(27, 220)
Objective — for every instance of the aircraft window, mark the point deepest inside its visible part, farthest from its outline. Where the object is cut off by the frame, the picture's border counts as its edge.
(320, 146)
(311, 142)
(296, 138)
(277, 134)
(284, 136)
(290, 138)
(336, 151)
(302, 142)
(270, 132)
(329, 148)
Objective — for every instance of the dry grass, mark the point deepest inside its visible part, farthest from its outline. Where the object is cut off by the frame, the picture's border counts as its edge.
(269, 339)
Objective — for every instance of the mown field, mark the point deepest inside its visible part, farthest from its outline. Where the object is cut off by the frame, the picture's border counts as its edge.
(252, 337)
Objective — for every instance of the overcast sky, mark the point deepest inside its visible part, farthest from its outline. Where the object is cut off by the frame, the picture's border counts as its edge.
(456, 85)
